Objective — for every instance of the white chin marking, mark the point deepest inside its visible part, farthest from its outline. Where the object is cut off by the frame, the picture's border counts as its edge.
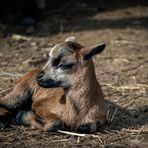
(71, 39)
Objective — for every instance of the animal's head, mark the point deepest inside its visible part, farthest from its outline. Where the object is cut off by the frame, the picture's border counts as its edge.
(66, 63)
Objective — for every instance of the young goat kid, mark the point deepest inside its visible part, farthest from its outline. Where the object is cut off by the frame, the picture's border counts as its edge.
(65, 93)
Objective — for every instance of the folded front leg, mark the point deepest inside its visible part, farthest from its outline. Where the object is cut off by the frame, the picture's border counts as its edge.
(93, 120)
(28, 118)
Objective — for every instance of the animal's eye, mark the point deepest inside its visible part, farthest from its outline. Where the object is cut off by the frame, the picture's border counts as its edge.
(65, 66)
(57, 61)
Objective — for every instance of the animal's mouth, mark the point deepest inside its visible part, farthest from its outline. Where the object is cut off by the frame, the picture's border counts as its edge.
(47, 82)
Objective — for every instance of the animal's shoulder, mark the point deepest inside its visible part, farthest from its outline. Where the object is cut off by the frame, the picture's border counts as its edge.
(31, 75)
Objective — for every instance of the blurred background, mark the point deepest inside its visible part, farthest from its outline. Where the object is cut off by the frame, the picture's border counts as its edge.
(63, 15)
(30, 28)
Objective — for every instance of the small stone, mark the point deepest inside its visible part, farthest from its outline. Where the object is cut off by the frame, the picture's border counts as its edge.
(33, 43)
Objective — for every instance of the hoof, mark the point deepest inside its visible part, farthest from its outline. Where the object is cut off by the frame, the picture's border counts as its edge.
(56, 127)
(86, 128)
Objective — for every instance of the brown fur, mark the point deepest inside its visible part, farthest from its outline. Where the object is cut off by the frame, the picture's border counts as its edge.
(80, 104)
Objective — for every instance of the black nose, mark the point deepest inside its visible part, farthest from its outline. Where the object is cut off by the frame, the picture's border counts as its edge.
(40, 75)
(48, 83)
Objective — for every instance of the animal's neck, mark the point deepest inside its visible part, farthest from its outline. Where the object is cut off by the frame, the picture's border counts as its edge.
(85, 89)
(86, 79)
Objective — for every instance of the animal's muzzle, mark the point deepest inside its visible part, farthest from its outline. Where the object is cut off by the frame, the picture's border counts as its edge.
(47, 82)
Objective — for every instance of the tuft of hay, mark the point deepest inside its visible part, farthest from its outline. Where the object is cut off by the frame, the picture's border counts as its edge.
(127, 87)
(7, 74)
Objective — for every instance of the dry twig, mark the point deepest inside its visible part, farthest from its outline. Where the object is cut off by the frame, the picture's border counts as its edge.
(74, 134)
(142, 131)
(61, 140)
(1, 92)
(7, 74)
(127, 87)
(112, 118)
(81, 135)
(20, 37)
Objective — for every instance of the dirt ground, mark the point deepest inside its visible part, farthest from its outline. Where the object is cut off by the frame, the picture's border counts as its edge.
(122, 71)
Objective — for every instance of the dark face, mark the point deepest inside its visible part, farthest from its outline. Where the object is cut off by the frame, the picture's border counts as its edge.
(66, 61)
(61, 67)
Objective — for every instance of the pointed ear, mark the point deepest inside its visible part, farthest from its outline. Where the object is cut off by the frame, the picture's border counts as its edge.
(91, 51)
(72, 43)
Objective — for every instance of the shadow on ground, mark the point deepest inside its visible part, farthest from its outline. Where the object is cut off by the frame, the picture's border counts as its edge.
(123, 118)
